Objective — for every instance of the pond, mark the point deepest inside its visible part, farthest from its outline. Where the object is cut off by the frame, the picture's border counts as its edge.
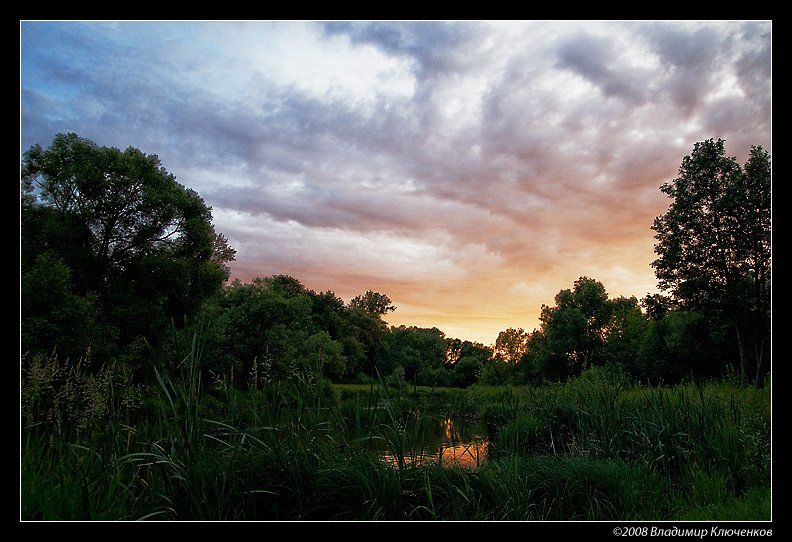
(442, 440)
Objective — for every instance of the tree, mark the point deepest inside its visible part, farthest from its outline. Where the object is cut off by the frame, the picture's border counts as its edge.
(577, 325)
(511, 344)
(657, 305)
(371, 331)
(325, 354)
(54, 318)
(128, 201)
(497, 374)
(136, 243)
(329, 314)
(625, 334)
(354, 354)
(713, 245)
(583, 329)
(373, 303)
(453, 351)
(542, 360)
(266, 328)
(476, 350)
(415, 348)
(467, 371)
(676, 346)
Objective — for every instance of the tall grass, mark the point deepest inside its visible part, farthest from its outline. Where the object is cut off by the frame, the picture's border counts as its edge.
(292, 449)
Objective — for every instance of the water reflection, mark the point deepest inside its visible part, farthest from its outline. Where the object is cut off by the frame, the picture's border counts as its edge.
(449, 442)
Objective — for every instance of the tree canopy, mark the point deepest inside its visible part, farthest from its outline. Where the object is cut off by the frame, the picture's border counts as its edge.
(511, 344)
(713, 245)
(373, 303)
(139, 247)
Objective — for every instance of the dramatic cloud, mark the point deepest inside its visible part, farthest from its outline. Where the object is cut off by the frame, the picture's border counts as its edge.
(469, 170)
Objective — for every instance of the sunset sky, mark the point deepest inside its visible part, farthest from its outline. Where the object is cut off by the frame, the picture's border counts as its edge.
(469, 170)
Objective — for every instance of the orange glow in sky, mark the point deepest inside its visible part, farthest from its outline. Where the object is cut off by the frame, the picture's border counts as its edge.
(494, 295)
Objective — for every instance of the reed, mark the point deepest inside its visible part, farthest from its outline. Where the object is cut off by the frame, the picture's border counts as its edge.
(293, 449)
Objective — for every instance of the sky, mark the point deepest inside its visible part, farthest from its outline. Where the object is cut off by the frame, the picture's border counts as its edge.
(467, 169)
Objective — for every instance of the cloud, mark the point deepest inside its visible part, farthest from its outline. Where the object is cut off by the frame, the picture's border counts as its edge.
(433, 46)
(443, 163)
(689, 57)
(595, 59)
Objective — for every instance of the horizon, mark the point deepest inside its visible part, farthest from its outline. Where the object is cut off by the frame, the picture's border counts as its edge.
(468, 170)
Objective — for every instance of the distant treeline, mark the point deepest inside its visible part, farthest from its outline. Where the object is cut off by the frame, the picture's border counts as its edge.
(121, 265)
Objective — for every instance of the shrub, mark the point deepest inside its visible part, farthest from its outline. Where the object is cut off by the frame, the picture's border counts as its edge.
(497, 373)
(523, 435)
(461, 404)
(497, 415)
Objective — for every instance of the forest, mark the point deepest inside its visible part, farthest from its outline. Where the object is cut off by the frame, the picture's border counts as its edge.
(154, 387)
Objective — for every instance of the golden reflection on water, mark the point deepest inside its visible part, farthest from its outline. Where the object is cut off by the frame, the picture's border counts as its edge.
(453, 451)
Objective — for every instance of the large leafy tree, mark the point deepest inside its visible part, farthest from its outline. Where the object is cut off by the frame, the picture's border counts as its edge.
(137, 245)
(131, 205)
(713, 246)
(366, 313)
(678, 345)
(577, 325)
(419, 350)
(625, 334)
(373, 303)
(584, 328)
(511, 345)
(266, 323)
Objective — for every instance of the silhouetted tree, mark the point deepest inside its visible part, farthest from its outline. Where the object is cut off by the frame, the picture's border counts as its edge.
(373, 303)
(138, 246)
(329, 314)
(584, 328)
(625, 334)
(418, 349)
(266, 327)
(713, 245)
(453, 351)
(326, 355)
(576, 325)
(467, 371)
(131, 205)
(510, 345)
(657, 305)
(372, 333)
(497, 373)
(678, 345)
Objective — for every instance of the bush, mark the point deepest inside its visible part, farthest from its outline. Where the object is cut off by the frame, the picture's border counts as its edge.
(461, 404)
(497, 373)
(363, 378)
(523, 435)
(497, 415)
